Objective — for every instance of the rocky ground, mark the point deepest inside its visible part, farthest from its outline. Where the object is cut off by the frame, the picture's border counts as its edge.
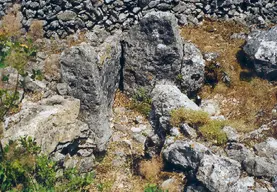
(152, 107)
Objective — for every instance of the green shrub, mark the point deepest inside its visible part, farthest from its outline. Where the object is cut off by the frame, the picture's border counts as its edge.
(189, 116)
(142, 108)
(23, 168)
(213, 131)
(141, 102)
(13, 54)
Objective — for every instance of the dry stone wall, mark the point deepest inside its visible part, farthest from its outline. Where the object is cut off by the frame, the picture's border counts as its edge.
(4, 5)
(63, 17)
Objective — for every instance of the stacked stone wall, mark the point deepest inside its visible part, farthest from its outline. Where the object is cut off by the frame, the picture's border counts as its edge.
(63, 17)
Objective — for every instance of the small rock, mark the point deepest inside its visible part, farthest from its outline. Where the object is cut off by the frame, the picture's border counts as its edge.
(62, 88)
(211, 56)
(171, 184)
(139, 120)
(238, 152)
(136, 129)
(211, 107)
(139, 138)
(175, 132)
(231, 133)
(120, 127)
(188, 131)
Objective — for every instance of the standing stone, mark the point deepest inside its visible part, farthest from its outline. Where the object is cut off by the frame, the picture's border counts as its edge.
(153, 50)
(92, 75)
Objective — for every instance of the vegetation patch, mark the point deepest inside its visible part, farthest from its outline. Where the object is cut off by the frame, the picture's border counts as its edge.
(247, 99)
(189, 116)
(24, 168)
(212, 131)
(150, 169)
(153, 188)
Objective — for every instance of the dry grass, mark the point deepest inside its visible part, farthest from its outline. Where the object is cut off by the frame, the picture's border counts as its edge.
(36, 30)
(121, 100)
(150, 169)
(51, 68)
(11, 23)
(243, 100)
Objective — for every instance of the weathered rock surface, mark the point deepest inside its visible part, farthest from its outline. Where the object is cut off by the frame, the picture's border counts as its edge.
(188, 131)
(261, 49)
(92, 75)
(193, 68)
(231, 133)
(238, 152)
(218, 173)
(260, 166)
(246, 184)
(165, 98)
(186, 155)
(51, 121)
(267, 148)
(210, 106)
(195, 188)
(153, 51)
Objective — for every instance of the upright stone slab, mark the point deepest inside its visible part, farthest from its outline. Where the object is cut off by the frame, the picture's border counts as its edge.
(92, 74)
(153, 50)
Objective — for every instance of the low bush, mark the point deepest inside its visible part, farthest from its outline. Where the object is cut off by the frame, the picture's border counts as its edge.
(212, 131)
(191, 117)
(23, 168)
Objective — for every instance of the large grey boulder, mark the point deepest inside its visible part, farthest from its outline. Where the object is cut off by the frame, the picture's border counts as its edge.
(260, 166)
(50, 122)
(261, 49)
(154, 50)
(218, 173)
(267, 148)
(165, 98)
(92, 74)
(238, 152)
(185, 155)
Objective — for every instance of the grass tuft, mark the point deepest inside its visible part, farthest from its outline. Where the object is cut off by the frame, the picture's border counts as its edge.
(192, 117)
(212, 131)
